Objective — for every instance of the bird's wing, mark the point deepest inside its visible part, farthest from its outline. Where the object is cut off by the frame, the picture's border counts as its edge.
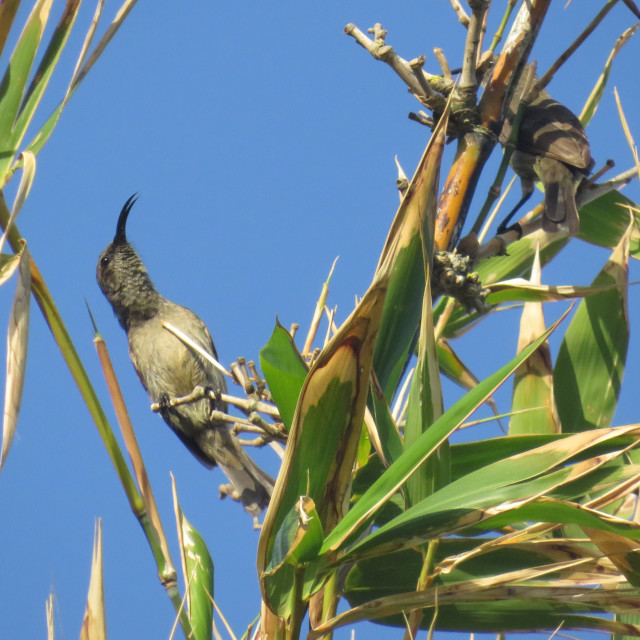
(551, 130)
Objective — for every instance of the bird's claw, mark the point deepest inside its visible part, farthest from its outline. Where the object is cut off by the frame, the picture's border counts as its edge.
(517, 227)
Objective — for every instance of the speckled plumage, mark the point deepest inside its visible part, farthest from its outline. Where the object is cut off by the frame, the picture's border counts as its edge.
(168, 369)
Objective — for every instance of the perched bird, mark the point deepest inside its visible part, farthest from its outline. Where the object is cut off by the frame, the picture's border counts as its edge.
(169, 369)
(552, 147)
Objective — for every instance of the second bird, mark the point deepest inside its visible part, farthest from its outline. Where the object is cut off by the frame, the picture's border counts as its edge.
(552, 147)
(169, 369)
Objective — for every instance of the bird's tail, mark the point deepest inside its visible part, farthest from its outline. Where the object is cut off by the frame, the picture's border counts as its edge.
(560, 208)
(249, 484)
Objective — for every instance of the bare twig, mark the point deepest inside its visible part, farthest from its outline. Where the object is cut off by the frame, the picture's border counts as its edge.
(548, 76)
(608, 165)
(422, 118)
(261, 385)
(633, 7)
(589, 192)
(378, 48)
(468, 79)
(444, 64)
(503, 25)
(242, 377)
(251, 404)
(417, 66)
(460, 12)
(331, 326)
(197, 394)
(317, 314)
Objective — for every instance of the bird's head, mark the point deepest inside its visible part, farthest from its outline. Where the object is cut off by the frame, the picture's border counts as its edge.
(122, 276)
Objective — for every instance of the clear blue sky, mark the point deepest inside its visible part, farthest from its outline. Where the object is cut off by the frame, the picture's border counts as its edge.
(261, 141)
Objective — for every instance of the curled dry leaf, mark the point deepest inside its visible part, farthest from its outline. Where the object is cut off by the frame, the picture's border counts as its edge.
(17, 340)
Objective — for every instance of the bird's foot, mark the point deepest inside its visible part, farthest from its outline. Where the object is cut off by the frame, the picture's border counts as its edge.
(164, 403)
(228, 490)
(517, 227)
(167, 402)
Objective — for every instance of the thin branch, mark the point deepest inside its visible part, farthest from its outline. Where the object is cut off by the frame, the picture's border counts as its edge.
(378, 48)
(422, 118)
(633, 7)
(589, 192)
(548, 76)
(417, 65)
(468, 79)
(317, 313)
(503, 25)
(460, 12)
(254, 422)
(251, 404)
(444, 64)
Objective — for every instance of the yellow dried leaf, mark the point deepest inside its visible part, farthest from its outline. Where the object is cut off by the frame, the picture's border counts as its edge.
(17, 340)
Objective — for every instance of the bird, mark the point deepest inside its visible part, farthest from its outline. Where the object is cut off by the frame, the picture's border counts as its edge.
(551, 147)
(169, 369)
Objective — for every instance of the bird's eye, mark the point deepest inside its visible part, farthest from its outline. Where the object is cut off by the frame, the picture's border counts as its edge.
(105, 261)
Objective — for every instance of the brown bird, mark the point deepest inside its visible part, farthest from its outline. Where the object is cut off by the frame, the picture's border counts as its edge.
(552, 147)
(169, 369)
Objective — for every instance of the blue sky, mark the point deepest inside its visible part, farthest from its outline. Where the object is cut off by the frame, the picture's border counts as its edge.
(261, 141)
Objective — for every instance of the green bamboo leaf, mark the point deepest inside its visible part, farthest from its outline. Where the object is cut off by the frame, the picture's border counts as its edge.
(622, 552)
(606, 220)
(453, 367)
(562, 512)
(394, 477)
(284, 370)
(404, 249)
(8, 10)
(474, 607)
(630, 619)
(28, 174)
(533, 381)
(47, 128)
(477, 496)
(390, 439)
(520, 257)
(299, 538)
(425, 407)
(45, 69)
(459, 559)
(15, 79)
(591, 361)
(83, 66)
(425, 395)
(197, 567)
(324, 437)
(468, 456)
(499, 268)
(598, 90)
(519, 290)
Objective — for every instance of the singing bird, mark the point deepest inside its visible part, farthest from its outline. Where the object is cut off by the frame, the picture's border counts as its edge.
(552, 147)
(169, 369)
